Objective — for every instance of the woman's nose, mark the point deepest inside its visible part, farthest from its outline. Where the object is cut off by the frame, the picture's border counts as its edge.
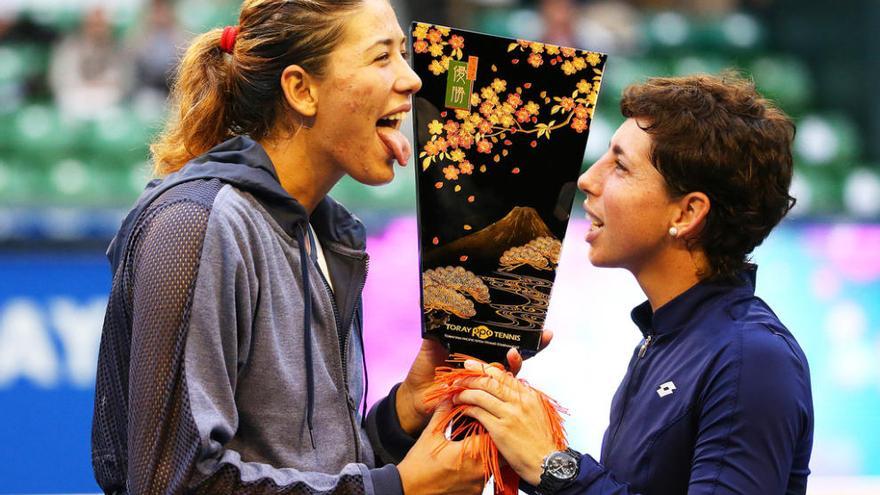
(589, 181)
(409, 82)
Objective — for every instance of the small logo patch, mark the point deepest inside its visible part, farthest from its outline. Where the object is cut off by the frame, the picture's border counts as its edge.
(666, 389)
(482, 332)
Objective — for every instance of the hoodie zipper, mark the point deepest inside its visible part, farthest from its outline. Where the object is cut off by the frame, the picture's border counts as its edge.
(343, 348)
(643, 350)
(351, 402)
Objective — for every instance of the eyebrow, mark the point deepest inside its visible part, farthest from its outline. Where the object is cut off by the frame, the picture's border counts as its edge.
(387, 42)
(618, 150)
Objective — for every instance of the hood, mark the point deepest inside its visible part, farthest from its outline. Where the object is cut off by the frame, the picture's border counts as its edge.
(243, 163)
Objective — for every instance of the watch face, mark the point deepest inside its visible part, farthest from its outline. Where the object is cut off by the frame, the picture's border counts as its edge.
(562, 465)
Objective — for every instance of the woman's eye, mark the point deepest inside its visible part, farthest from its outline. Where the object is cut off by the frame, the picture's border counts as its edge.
(383, 56)
(619, 166)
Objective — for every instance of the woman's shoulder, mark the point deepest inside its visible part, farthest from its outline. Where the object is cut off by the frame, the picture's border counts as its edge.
(224, 205)
(757, 337)
(757, 362)
(177, 208)
(760, 327)
(745, 329)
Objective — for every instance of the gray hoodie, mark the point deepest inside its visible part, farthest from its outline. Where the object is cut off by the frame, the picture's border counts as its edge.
(227, 364)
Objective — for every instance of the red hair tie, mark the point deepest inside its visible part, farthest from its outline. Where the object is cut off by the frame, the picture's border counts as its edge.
(227, 39)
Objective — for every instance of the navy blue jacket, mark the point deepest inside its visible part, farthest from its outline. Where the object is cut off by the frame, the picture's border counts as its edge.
(716, 399)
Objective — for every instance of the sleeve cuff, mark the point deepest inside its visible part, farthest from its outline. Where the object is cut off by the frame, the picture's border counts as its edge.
(527, 488)
(590, 470)
(386, 480)
(390, 441)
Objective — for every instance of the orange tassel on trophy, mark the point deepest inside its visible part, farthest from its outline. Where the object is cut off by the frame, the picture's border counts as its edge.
(478, 443)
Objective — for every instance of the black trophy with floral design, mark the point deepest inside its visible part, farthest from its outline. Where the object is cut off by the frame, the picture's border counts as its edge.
(501, 126)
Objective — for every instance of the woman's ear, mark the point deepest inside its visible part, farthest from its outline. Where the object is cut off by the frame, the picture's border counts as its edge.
(300, 90)
(693, 208)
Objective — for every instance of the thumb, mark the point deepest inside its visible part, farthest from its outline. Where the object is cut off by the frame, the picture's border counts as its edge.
(440, 417)
(514, 361)
(432, 345)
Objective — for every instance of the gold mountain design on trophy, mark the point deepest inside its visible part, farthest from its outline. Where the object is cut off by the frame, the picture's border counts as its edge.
(520, 226)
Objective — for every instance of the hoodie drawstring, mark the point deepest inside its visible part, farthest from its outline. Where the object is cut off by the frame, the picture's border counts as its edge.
(307, 328)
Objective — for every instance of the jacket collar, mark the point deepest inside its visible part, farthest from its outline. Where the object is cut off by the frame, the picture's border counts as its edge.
(684, 308)
(332, 222)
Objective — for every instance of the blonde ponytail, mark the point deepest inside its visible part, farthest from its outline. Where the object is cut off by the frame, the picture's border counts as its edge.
(198, 119)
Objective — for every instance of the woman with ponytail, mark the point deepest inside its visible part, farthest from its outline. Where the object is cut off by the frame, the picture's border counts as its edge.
(231, 359)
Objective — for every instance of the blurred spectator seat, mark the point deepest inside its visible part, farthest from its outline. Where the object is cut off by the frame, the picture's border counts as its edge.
(89, 72)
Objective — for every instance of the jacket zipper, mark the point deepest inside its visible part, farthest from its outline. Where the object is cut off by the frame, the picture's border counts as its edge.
(343, 348)
(645, 345)
(626, 397)
(352, 405)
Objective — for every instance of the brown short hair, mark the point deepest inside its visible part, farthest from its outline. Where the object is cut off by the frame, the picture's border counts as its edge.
(216, 95)
(717, 135)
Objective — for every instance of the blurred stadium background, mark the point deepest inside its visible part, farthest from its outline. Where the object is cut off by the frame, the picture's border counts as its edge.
(82, 90)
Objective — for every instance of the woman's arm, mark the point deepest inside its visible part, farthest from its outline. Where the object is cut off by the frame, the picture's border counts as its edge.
(752, 435)
(755, 419)
(518, 423)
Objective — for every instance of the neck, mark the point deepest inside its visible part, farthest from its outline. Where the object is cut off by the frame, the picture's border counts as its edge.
(306, 179)
(666, 279)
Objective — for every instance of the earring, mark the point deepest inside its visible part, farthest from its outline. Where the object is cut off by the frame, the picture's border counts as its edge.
(673, 231)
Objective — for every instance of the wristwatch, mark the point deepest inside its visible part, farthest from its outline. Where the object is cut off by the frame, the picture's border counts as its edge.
(558, 470)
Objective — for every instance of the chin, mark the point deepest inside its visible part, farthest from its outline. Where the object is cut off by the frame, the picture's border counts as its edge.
(598, 261)
(376, 176)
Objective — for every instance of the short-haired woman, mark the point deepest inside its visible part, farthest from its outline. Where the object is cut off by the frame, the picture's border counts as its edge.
(716, 398)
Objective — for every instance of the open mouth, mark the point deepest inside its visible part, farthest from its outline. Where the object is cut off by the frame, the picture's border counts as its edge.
(388, 129)
(392, 121)
(595, 222)
(596, 226)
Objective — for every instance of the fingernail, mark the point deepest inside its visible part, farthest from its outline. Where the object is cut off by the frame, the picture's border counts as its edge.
(470, 364)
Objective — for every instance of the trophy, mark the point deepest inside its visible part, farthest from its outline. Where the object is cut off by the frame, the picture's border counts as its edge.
(500, 126)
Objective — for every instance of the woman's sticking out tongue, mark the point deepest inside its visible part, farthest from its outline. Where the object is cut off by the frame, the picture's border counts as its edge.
(396, 143)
